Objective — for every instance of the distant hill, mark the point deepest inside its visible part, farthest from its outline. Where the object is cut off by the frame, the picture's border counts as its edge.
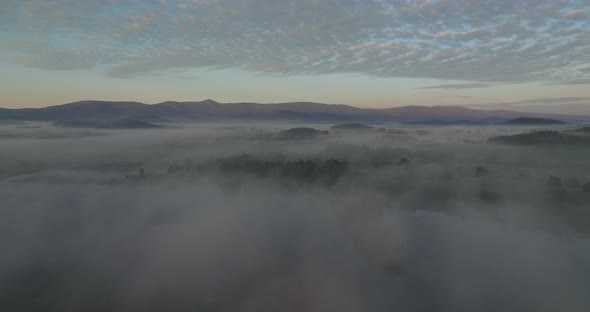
(115, 124)
(533, 121)
(582, 130)
(447, 123)
(300, 133)
(210, 110)
(351, 126)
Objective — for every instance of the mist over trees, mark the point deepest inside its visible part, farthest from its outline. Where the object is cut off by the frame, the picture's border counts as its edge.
(236, 217)
(545, 137)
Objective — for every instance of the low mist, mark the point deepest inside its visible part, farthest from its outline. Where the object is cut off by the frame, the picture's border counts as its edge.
(240, 217)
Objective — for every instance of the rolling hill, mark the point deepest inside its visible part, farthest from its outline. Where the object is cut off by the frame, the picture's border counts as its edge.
(531, 121)
(209, 110)
(351, 127)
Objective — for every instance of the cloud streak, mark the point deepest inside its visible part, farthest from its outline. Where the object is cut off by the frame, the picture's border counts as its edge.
(570, 82)
(547, 101)
(458, 86)
(481, 41)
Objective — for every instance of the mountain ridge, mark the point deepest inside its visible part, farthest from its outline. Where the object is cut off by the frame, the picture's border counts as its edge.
(311, 111)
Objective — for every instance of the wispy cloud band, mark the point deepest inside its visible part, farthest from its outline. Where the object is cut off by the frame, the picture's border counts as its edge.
(482, 41)
(471, 85)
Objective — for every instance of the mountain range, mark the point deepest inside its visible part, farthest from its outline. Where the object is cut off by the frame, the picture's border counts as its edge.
(210, 110)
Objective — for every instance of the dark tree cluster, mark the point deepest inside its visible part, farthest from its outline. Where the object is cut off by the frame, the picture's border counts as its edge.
(300, 133)
(139, 174)
(392, 131)
(351, 127)
(559, 188)
(481, 171)
(554, 182)
(582, 130)
(186, 167)
(541, 137)
(306, 170)
(404, 161)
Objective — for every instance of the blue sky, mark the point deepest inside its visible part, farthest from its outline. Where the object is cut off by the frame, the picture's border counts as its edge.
(527, 55)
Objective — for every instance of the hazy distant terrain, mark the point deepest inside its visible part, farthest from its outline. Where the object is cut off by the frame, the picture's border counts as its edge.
(210, 110)
(251, 217)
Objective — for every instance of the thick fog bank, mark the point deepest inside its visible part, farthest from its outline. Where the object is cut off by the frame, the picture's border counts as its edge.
(227, 218)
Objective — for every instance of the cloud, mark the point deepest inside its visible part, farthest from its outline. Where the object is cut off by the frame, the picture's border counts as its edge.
(187, 78)
(485, 41)
(458, 86)
(540, 101)
(557, 100)
(580, 14)
(60, 60)
(571, 82)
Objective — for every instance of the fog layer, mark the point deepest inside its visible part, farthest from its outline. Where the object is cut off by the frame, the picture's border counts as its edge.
(237, 218)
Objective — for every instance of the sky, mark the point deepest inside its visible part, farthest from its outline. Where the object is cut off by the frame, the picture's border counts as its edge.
(528, 55)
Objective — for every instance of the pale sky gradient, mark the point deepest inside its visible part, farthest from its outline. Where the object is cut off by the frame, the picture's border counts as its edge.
(524, 55)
